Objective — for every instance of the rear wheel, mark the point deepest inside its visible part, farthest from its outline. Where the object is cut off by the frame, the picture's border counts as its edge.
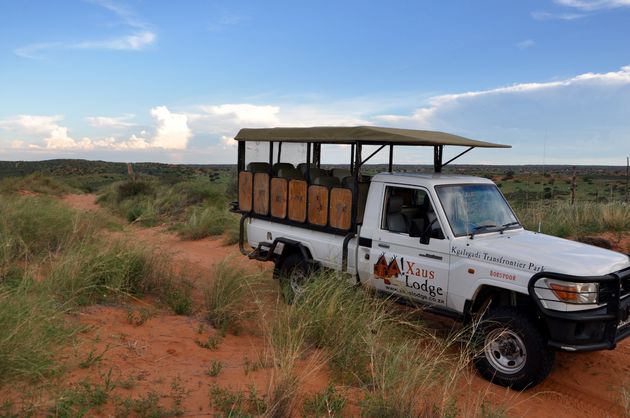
(510, 350)
(294, 273)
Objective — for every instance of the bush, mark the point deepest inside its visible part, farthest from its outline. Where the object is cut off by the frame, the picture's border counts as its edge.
(197, 208)
(33, 227)
(209, 221)
(93, 273)
(225, 296)
(132, 188)
(35, 183)
(33, 331)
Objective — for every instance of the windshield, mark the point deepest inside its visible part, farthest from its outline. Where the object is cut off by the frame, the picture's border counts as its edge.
(475, 208)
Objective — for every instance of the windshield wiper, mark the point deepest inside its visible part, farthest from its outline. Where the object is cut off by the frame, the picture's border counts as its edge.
(508, 225)
(481, 228)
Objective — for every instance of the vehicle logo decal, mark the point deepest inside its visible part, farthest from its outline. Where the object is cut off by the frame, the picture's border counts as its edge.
(496, 259)
(385, 270)
(415, 280)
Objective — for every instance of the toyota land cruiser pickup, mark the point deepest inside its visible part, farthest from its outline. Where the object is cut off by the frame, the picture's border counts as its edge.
(450, 242)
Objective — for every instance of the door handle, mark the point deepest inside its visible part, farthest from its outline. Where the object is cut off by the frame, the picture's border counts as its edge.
(383, 245)
(427, 255)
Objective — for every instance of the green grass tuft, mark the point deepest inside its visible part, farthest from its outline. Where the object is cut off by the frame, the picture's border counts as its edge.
(226, 295)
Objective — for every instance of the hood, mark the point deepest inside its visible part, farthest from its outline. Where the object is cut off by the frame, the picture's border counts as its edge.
(535, 252)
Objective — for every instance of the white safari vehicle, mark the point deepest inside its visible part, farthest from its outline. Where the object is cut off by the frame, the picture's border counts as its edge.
(449, 241)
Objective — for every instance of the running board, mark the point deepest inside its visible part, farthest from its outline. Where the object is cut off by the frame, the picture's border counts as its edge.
(263, 252)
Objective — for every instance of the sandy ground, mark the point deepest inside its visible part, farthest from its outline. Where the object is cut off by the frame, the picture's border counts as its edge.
(162, 350)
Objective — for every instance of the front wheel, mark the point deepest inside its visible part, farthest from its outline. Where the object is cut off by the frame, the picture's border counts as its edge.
(510, 349)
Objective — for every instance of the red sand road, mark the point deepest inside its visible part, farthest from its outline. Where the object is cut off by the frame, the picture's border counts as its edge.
(163, 348)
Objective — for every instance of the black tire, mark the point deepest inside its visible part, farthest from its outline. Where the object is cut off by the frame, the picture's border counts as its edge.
(510, 349)
(293, 274)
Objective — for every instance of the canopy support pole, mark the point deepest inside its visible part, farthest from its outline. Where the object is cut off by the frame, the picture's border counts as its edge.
(391, 157)
(355, 190)
(352, 168)
(317, 154)
(241, 156)
(457, 156)
(270, 159)
(437, 158)
(371, 155)
(308, 163)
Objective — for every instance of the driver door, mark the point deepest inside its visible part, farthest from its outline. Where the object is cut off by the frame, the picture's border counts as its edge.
(404, 263)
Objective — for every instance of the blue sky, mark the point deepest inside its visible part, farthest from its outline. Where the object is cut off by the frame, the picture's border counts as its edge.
(173, 81)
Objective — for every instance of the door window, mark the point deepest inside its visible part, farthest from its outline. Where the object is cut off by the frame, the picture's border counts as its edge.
(410, 211)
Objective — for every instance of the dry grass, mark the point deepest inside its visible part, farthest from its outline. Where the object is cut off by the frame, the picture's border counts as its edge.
(563, 219)
(227, 296)
(53, 259)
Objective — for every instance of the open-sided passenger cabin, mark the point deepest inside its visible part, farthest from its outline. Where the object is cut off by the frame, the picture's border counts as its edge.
(280, 177)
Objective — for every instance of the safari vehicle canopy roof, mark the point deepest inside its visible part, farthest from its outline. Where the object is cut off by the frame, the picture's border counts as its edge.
(373, 135)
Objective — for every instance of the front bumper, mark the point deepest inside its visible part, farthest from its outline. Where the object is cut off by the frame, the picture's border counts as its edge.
(593, 329)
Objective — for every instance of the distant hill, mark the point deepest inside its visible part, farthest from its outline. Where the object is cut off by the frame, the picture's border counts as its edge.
(69, 167)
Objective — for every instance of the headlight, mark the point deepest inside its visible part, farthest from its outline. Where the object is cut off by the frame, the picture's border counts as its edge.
(583, 293)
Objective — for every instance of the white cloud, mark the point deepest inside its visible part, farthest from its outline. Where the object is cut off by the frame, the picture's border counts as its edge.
(587, 111)
(591, 5)
(172, 130)
(228, 142)
(245, 113)
(139, 37)
(31, 123)
(424, 116)
(527, 43)
(171, 133)
(111, 121)
(556, 16)
(134, 42)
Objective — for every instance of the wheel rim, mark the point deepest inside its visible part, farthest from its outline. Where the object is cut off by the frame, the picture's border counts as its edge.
(505, 350)
(297, 280)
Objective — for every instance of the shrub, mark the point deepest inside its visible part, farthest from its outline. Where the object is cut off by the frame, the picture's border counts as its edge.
(209, 221)
(33, 331)
(225, 295)
(33, 227)
(132, 188)
(93, 273)
(36, 183)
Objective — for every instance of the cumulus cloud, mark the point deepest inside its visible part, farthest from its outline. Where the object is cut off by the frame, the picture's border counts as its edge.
(171, 133)
(172, 130)
(139, 36)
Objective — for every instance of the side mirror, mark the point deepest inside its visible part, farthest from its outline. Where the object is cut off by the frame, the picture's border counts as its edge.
(426, 235)
(416, 228)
